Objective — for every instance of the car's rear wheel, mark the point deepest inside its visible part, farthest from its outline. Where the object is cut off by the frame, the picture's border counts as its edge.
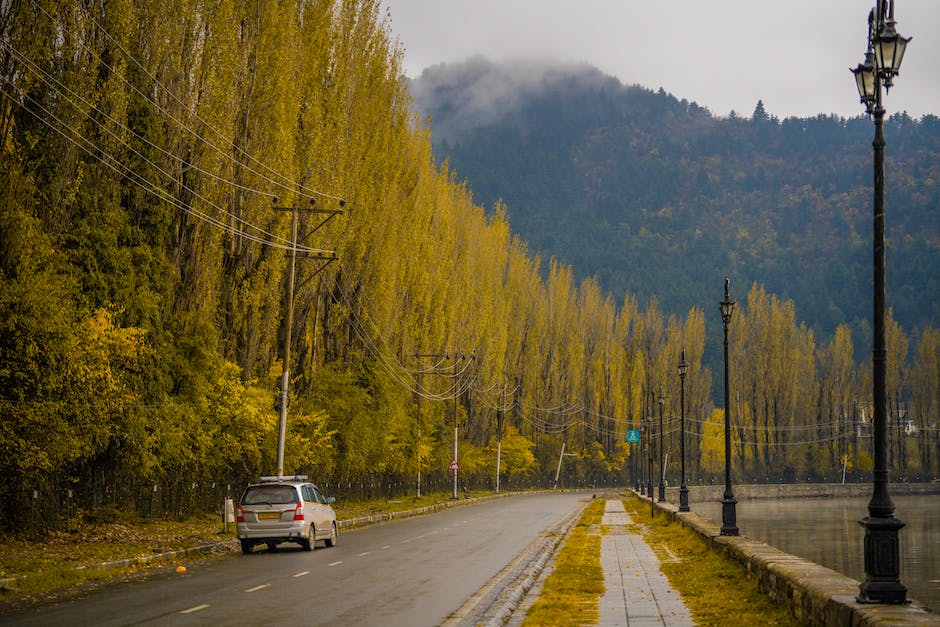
(334, 537)
(246, 547)
(310, 542)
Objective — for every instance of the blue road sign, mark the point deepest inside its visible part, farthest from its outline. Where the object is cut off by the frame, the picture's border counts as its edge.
(633, 436)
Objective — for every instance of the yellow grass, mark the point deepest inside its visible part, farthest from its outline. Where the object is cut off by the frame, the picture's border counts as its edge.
(716, 589)
(572, 591)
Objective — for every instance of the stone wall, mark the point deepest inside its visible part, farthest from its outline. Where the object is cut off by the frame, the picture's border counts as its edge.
(796, 490)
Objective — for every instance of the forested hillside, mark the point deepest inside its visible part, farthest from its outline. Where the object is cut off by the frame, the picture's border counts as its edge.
(656, 196)
(147, 151)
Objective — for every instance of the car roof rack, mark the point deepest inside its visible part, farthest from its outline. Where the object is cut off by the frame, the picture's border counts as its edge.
(276, 479)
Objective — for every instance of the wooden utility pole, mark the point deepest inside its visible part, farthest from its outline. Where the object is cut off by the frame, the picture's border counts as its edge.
(327, 257)
(420, 395)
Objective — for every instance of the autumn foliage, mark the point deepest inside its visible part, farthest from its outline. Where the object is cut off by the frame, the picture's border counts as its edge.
(143, 275)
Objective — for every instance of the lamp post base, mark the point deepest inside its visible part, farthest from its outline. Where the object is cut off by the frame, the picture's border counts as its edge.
(662, 493)
(684, 498)
(882, 562)
(729, 525)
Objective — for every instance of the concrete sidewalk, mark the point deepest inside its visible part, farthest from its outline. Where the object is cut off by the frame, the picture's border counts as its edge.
(638, 594)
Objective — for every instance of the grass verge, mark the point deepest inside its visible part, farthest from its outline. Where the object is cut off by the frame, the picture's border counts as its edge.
(58, 564)
(571, 593)
(716, 589)
(346, 510)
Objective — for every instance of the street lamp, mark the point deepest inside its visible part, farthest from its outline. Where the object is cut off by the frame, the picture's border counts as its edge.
(637, 481)
(683, 488)
(729, 525)
(641, 462)
(662, 473)
(649, 448)
(882, 560)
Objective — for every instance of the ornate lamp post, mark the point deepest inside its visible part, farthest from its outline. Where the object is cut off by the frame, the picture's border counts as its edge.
(683, 488)
(644, 434)
(662, 473)
(729, 525)
(649, 448)
(635, 464)
(882, 562)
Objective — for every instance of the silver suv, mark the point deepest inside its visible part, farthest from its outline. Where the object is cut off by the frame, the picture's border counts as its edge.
(285, 509)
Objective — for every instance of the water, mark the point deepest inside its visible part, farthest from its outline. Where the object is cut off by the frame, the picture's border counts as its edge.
(826, 531)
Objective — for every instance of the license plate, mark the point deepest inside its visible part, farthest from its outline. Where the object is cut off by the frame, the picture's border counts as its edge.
(269, 515)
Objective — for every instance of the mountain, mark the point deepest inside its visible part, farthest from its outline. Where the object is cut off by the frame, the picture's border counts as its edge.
(656, 196)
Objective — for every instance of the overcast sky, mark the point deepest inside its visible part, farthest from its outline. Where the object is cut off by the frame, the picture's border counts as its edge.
(724, 54)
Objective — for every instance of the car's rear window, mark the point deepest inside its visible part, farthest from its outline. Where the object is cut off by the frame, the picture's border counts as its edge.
(271, 494)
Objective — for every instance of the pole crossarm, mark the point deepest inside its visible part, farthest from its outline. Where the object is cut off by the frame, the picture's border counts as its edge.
(328, 258)
(330, 214)
(296, 254)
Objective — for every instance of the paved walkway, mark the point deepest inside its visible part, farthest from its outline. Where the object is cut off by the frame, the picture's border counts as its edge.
(638, 594)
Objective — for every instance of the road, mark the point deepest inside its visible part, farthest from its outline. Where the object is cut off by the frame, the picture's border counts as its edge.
(416, 571)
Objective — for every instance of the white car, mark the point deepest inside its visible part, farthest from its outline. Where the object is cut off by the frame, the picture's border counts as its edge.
(285, 509)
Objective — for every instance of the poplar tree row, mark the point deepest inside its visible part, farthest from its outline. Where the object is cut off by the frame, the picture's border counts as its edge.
(144, 270)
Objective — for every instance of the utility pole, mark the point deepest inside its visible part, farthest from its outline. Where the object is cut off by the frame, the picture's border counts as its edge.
(418, 443)
(499, 433)
(420, 394)
(328, 257)
(561, 456)
(454, 463)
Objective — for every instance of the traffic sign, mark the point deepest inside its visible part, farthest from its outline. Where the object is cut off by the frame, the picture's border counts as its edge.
(633, 436)
(453, 465)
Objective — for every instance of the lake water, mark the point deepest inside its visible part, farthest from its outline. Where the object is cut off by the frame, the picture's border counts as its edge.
(826, 531)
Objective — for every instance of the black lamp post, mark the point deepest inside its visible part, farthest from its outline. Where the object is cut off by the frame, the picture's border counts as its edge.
(649, 448)
(683, 488)
(634, 468)
(641, 462)
(882, 560)
(662, 473)
(729, 525)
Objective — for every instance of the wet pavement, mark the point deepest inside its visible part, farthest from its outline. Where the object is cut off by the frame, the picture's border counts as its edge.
(637, 594)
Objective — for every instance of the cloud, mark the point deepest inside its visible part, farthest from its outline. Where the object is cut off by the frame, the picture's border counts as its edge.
(478, 92)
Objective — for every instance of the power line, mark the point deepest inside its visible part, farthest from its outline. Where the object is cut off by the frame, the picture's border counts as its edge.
(125, 170)
(288, 185)
(115, 164)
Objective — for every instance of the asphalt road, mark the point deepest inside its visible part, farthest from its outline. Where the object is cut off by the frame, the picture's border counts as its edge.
(416, 571)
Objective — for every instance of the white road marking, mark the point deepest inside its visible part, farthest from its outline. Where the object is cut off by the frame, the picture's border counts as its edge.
(194, 609)
(335, 563)
(387, 546)
(302, 573)
(256, 588)
(363, 554)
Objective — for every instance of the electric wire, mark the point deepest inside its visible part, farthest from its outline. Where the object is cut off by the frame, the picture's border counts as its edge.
(288, 185)
(57, 88)
(114, 164)
(286, 244)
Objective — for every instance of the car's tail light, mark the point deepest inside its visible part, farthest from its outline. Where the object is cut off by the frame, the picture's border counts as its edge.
(299, 512)
(241, 515)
